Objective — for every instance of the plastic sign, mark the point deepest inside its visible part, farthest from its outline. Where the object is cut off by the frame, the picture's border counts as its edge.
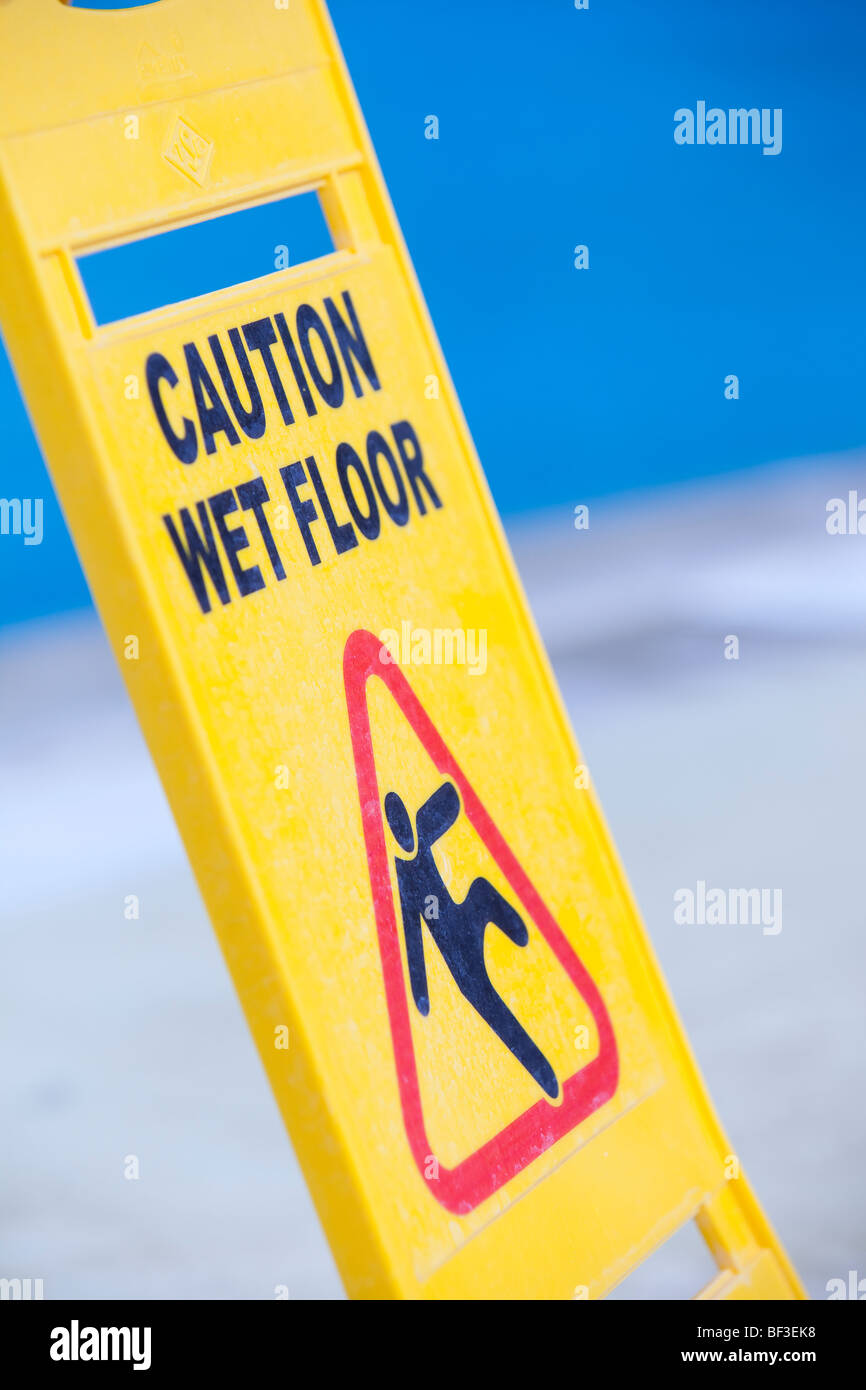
(273, 491)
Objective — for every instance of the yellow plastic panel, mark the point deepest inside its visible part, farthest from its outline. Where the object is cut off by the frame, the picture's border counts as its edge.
(274, 493)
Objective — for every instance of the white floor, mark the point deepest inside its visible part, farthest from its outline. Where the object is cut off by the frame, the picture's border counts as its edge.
(124, 1037)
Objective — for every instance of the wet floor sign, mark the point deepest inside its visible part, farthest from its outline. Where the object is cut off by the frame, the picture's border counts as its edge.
(298, 564)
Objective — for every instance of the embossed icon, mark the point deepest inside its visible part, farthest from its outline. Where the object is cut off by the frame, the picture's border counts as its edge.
(187, 151)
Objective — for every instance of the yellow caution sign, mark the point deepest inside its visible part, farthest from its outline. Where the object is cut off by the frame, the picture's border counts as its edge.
(285, 527)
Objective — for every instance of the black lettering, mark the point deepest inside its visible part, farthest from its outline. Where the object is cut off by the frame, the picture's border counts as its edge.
(306, 322)
(376, 446)
(199, 550)
(295, 364)
(234, 538)
(343, 536)
(253, 496)
(413, 463)
(260, 336)
(251, 421)
(368, 524)
(352, 344)
(293, 477)
(184, 446)
(212, 417)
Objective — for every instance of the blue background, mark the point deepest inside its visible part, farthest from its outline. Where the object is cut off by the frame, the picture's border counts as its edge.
(556, 128)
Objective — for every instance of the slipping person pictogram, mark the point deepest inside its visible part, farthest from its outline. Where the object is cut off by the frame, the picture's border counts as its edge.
(457, 928)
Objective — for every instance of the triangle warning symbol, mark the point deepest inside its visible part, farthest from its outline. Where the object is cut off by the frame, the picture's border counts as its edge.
(456, 945)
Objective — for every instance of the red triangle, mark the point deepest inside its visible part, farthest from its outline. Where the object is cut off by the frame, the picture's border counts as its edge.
(496, 1162)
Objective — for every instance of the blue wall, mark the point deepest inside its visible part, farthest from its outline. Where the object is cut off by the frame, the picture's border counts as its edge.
(556, 128)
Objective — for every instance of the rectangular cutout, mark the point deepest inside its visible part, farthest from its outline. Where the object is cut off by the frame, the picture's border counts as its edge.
(677, 1269)
(227, 250)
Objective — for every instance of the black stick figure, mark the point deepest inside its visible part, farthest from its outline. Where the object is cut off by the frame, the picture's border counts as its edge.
(459, 928)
